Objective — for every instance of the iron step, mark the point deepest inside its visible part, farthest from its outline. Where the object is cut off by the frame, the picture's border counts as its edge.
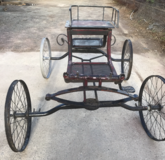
(128, 89)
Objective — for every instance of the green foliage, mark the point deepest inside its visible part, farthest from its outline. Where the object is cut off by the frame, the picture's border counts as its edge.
(152, 1)
(163, 39)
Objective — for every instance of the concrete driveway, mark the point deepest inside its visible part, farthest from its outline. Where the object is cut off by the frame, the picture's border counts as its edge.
(103, 134)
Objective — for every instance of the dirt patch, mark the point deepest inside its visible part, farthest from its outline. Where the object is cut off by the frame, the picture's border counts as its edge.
(148, 18)
(15, 3)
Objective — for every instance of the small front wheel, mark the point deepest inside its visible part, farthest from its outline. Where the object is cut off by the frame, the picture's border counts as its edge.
(127, 59)
(113, 40)
(45, 58)
(152, 93)
(17, 128)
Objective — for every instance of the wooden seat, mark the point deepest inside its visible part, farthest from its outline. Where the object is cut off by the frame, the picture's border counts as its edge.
(91, 72)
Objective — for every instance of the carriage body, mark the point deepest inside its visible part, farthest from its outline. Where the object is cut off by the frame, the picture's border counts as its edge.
(87, 36)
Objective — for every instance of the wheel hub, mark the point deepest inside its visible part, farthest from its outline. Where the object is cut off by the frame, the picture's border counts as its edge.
(160, 107)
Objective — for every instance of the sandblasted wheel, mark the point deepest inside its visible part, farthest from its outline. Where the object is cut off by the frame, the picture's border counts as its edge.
(17, 128)
(152, 93)
(45, 58)
(127, 58)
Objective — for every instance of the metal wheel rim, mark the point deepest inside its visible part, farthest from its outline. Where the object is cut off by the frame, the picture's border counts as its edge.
(45, 55)
(152, 93)
(17, 129)
(113, 39)
(127, 53)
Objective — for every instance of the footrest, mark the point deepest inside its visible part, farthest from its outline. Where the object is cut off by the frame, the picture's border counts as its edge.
(128, 89)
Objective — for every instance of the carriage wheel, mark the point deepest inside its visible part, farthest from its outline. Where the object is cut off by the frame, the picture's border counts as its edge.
(17, 128)
(45, 60)
(127, 54)
(113, 40)
(152, 92)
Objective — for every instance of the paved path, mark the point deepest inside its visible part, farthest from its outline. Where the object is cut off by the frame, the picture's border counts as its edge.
(112, 133)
